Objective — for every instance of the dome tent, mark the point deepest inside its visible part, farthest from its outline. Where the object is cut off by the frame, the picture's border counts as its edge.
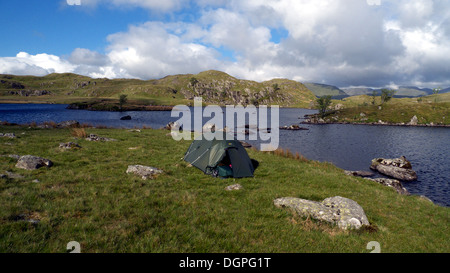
(213, 156)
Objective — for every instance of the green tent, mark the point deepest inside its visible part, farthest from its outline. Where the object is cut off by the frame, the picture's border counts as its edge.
(226, 158)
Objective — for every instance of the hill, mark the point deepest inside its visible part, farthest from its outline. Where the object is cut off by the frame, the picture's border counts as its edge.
(214, 86)
(401, 91)
(429, 110)
(325, 90)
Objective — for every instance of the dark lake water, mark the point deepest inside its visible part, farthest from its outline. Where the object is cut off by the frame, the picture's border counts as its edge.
(350, 147)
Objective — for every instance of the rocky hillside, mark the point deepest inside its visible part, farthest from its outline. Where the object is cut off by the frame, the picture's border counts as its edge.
(214, 86)
(325, 90)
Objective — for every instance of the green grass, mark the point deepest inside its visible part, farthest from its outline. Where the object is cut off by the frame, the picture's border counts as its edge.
(87, 197)
(433, 108)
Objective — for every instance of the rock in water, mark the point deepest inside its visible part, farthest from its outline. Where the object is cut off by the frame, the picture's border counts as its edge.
(126, 117)
(398, 168)
(144, 172)
(393, 183)
(30, 162)
(344, 212)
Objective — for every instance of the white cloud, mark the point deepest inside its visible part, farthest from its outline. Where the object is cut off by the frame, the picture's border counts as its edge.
(39, 64)
(340, 42)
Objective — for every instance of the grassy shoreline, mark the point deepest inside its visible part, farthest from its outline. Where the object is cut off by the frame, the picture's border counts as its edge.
(87, 197)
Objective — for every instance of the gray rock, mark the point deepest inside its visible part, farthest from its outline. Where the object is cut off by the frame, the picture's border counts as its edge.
(293, 127)
(414, 121)
(234, 187)
(145, 172)
(359, 173)
(69, 146)
(127, 117)
(30, 162)
(13, 175)
(423, 197)
(93, 137)
(393, 183)
(9, 135)
(398, 168)
(173, 126)
(68, 124)
(344, 212)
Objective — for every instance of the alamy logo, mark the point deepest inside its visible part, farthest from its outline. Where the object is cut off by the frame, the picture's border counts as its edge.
(257, 125)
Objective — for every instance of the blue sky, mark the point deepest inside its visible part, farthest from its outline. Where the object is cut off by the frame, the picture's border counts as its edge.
(373, 43)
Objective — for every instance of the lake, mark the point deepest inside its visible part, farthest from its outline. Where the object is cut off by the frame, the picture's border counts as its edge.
(350, 147)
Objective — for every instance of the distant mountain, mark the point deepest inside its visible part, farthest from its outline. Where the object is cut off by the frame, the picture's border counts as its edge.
(402, 91)
(325, 90)
(356, 91)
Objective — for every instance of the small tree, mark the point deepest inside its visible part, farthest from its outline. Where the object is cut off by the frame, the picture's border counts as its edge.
(435, 92)
(323, 103)
(386, 95)
(122, 100)
(374, 95)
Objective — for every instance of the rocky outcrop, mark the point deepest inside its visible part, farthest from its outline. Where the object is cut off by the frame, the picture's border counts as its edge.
(359, 173)
(293, 127)
(27, 93)
(398, 168)
(173, 126)
(30, 162)
(93, 137)
(393, 183)
(145, 172)
(69, 146)
(9, 135)
(414, 121)
(344, 212)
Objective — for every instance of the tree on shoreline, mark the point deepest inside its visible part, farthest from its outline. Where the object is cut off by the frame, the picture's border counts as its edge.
(386, 95)
(323, 103)
(122, 100)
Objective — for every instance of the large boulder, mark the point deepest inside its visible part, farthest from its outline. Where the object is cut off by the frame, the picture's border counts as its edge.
(145, 172)
(30, 162)
(398, 168)
(344, 212)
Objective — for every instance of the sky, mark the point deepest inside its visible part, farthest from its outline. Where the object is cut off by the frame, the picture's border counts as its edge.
(346, 43)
